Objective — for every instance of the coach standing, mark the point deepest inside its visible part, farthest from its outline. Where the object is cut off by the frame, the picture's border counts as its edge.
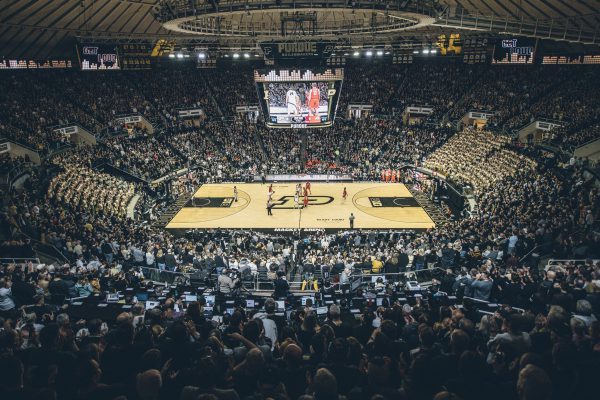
(351, 220)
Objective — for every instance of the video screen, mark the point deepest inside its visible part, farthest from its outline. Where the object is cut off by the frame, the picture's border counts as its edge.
(299, 98)
(298, 102)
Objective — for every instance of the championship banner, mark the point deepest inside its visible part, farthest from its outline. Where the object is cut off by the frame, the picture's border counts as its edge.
(291, 50)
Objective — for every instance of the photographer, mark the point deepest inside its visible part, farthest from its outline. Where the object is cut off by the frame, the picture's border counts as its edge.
(227, 282)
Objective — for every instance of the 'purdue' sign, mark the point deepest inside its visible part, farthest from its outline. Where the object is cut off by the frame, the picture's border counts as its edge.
(305, 49)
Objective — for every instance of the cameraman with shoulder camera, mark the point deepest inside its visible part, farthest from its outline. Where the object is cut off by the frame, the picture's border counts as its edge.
(228, 281)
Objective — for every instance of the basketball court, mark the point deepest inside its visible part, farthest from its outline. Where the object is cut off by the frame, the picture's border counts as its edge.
(374, 205)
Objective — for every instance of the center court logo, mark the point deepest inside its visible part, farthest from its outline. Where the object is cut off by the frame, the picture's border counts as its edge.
(287, 202)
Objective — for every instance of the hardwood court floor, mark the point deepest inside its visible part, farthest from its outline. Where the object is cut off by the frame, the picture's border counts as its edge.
(375, 206)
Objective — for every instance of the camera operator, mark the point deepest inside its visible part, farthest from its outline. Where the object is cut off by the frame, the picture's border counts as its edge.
(228, 281)
(282, 286)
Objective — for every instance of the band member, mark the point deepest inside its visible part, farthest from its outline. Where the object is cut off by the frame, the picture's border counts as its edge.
(235, 194)
(296, 200)
(344, 194)
(305, 200)
(269, 207)
(393, 176)
(308, 187)
(383, 175)
(314, 98)
(293, 102)
(388, 175)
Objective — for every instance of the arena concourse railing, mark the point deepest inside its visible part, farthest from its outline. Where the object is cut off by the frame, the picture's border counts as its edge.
(573, 261)
(19, 260)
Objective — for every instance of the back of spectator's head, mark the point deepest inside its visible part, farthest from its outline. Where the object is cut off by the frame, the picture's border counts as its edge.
(533, 359)
(50, 336)
(252, 330)
(151, 359)
(584, 307)
(459, 341)
(534, 384)
(148, 384)
(255, 359)
(324, 385)
(62, 320)
(292, 355)
(334, 312)
(270, 305)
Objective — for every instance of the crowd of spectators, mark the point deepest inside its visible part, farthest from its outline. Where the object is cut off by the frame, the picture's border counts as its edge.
(477, 158)
(91, 191)
(542, 344)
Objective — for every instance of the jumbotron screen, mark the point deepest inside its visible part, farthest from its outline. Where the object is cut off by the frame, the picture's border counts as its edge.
(299, 98)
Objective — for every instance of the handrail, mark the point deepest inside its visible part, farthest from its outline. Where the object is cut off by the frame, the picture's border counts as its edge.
(18, 260)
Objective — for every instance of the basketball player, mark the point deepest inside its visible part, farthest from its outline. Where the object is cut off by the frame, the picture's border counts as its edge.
(293, 102)
(314, 98)
(308, 187)
(344, 194)
(269, 207)
(270, 188)
(296, 200)
(270, 194)
(298, 188)
(235, 194)
(305, 200)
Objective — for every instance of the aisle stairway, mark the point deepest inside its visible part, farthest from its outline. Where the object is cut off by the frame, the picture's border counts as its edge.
(434, 211)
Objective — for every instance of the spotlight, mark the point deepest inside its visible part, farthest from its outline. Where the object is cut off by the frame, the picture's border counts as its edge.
(433, 51)
(369, 53)
(356, 54)
(346, 54)
(387, 53)
(179, 55)
(171, 55)
(236, 55)
(246, 55)
(379, 52)
(201, 56)
(425, 51)
(415, 51)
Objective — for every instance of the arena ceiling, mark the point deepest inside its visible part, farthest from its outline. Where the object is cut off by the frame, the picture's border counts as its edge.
(40, 29)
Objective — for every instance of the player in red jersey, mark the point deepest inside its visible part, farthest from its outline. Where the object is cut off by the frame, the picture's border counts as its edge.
(308, 187)
(305, 200)
(314, 98)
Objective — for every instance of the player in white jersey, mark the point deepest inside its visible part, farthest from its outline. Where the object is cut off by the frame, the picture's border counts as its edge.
(293, 102)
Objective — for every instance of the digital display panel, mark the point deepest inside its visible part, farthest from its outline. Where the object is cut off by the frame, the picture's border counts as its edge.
(514, 51)
(98, 57)
(299, 98)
